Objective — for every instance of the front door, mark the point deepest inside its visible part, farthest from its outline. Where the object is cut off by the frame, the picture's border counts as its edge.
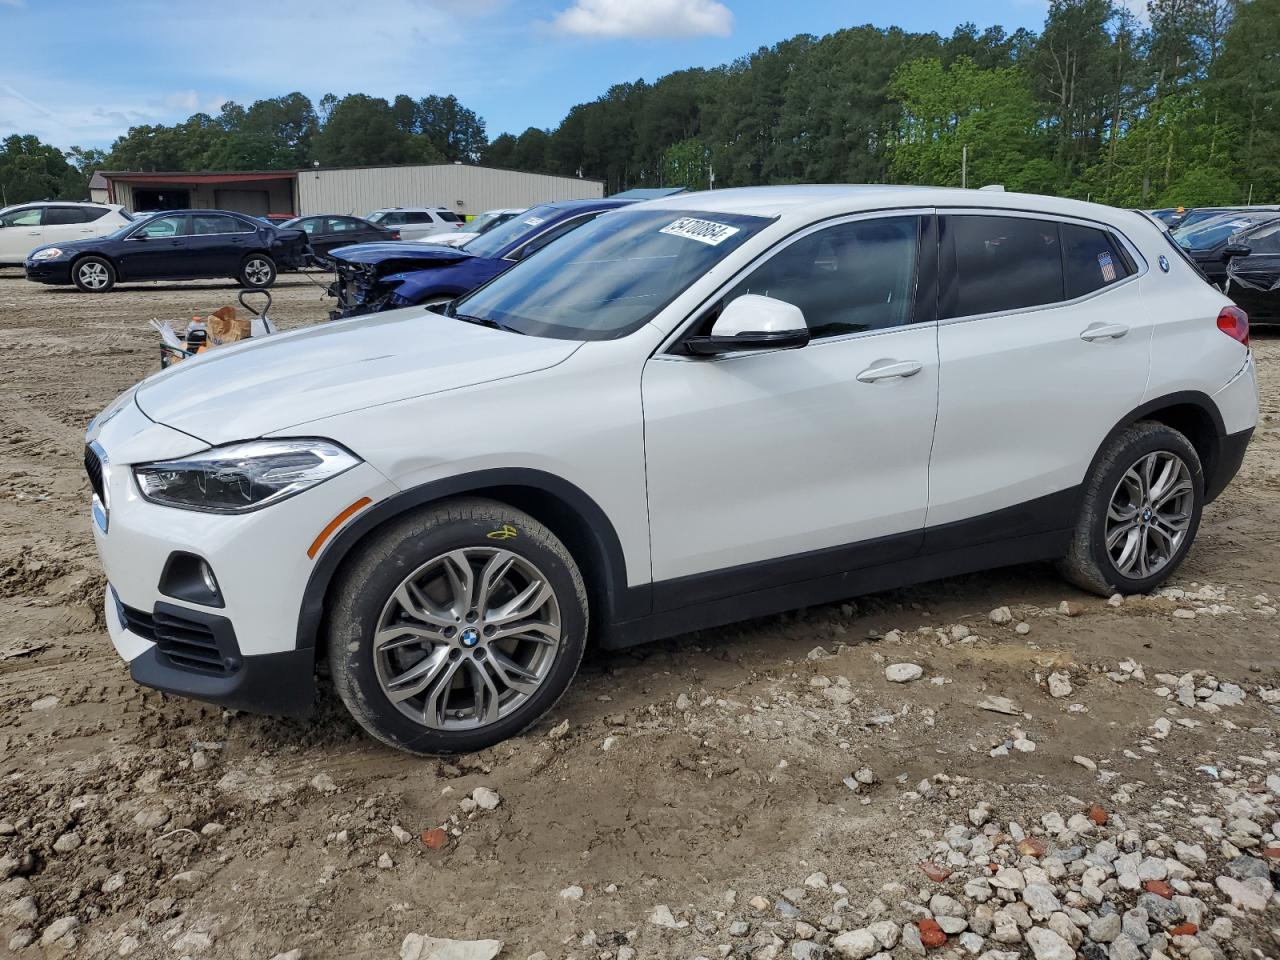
(157, 249)
(778, 467)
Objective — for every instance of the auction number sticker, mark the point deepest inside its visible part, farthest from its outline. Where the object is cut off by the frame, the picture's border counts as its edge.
(535, 221)
(704, 231)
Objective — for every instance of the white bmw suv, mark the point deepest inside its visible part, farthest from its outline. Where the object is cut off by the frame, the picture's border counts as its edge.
(685, 413)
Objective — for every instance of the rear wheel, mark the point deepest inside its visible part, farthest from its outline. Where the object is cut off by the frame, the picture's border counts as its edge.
(1140, 514)
(258, 271)
(93, 274)
(457, 627)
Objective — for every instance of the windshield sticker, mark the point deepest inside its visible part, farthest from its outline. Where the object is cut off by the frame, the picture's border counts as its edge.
(704, 231)
(1107, 267)
(535, 221)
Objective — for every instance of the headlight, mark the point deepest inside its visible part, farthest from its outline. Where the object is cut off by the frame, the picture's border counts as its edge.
(243, 476)
(48, 253)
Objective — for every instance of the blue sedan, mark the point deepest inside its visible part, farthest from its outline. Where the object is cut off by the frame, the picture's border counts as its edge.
(386, 276)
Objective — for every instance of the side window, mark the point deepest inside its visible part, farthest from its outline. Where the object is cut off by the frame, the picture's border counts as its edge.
(1004, 263)
(205, 224)
(340, 225)
(419, 216)
(94, 213)
(307, 226)
(391, 219)
(847, 278)
(163, 227)
(1091, 259)
(62, 216)
(448, 216)
(29, 217)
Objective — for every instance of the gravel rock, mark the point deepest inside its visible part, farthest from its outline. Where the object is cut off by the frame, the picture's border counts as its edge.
(419, 947)
(1059, 685)
(856, 944)
(485, 798)
(903, 672)
(1047, 945)
(63, 932)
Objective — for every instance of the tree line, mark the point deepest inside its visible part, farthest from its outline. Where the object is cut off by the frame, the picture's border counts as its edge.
(1182, 107)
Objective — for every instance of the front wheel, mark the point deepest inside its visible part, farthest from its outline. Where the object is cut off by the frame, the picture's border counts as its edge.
(93, 274)
(258, 271)
(457, 627)
(1141, 511)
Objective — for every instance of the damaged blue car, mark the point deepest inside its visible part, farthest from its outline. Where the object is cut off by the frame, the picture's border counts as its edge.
(372, 277)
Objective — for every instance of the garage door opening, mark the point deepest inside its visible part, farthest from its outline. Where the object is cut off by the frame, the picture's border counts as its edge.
(256, 203)
(144, 200)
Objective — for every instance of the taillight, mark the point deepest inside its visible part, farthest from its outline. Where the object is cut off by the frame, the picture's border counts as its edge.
(395, 234)
(1234, 322)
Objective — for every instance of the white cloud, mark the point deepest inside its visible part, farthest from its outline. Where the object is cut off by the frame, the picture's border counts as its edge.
(646, 18)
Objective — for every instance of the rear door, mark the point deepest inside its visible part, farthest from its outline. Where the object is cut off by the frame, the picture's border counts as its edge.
(1044, 345)
(21, 231)
(63, 223)
(217, 244)
(157, 249)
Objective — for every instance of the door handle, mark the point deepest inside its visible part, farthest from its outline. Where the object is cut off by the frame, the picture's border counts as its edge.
(887, 370)
(1104, 331)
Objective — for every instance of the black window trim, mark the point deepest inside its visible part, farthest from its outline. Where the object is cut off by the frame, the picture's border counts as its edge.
(925, 294)
(947, 259)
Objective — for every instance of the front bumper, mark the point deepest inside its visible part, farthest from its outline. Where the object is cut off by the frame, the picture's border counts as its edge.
(48, 271)
(161, 654)
(242, 648)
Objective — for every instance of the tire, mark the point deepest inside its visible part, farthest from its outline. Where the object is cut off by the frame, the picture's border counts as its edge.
(372, 600)
(93, 274)
(257, 271)
(1150, 534)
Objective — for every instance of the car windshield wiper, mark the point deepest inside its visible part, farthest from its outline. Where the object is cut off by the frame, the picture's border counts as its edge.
(481, 321)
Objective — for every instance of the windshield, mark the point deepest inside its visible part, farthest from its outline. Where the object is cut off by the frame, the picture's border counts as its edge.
(608, 277)
(1264, 240)
(487, 221)
(1209, 233)
(491, 241)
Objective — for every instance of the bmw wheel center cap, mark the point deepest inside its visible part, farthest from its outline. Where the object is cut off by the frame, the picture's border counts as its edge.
(470, 637)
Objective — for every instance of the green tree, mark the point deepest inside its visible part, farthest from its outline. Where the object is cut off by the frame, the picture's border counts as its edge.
(991, 113)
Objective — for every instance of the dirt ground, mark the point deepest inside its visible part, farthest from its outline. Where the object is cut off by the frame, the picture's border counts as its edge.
(694, 774)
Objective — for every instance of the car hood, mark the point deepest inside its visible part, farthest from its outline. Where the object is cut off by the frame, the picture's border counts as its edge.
(405, 253)
(269, 385)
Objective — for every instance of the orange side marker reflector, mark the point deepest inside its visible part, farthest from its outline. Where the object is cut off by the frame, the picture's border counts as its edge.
(334, 524)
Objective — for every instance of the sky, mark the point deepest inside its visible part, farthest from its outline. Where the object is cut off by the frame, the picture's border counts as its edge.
(81, 73)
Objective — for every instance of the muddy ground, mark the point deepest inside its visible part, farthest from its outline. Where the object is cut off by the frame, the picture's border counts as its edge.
(695, 774)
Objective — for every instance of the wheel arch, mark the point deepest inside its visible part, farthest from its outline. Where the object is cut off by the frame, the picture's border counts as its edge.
(1194, 415)
(574, 517)
(81, 255)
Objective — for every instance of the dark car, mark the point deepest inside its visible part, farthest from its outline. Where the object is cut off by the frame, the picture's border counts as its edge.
(1206, 241)
(174, 245)
(386, 276)
(328, 231)
(1253, 273)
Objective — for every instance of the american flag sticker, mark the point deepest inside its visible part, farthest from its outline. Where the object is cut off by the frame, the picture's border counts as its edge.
(1107, 267)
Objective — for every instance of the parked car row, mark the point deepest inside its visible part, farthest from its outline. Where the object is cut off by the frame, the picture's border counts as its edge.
(1235, 249)
(174, 245)
(655, 418)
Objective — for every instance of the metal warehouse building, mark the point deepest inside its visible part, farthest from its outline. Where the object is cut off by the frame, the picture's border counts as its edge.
(464, 188)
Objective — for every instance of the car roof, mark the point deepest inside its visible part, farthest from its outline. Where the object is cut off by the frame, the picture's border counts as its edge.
(812, 202)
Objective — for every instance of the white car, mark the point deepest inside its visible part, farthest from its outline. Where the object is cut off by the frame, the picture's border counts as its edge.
(25, 226)
(414, 223)
(473, 228)
(687, 412)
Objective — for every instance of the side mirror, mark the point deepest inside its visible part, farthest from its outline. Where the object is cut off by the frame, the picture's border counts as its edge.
(1236, 250)
(753, 322)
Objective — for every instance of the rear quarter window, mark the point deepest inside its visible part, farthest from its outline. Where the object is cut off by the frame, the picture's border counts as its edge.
(1092, 259)
(448, 216)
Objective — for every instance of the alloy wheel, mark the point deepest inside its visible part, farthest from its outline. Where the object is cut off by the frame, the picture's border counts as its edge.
(1149, 514)
(467, 638)
(93, 275)
(257, 272)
